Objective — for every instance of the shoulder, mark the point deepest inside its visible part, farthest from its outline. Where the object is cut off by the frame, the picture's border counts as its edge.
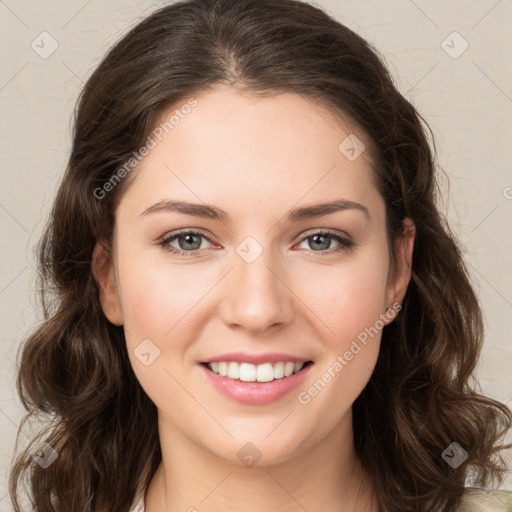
(480, 500)
(474, 500)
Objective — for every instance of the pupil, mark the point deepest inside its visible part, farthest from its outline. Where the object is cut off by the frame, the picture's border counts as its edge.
(189, 240)
(317, 239)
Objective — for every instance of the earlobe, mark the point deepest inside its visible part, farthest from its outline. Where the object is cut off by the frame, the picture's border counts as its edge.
(402, 270)
(103, 272)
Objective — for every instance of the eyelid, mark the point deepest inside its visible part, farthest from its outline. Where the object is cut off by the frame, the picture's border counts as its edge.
(325, 231)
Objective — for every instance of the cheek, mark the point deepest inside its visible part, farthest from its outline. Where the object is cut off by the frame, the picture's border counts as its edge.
(158, 312)
(158, 299)
(349, 301)
(347, 298)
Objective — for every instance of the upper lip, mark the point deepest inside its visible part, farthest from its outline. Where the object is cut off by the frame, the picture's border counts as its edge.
(245, 357)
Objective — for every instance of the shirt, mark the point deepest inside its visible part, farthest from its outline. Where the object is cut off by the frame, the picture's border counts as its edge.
(474, 500)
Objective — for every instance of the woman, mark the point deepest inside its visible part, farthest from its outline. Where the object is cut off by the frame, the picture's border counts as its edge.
(258, 305)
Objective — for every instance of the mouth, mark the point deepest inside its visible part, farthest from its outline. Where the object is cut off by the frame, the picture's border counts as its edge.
(269, 378)
(262, 373)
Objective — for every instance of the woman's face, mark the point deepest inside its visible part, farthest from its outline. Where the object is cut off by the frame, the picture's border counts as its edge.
(267, 276)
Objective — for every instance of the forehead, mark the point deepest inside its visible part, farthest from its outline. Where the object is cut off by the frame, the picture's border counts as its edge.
(249, 149)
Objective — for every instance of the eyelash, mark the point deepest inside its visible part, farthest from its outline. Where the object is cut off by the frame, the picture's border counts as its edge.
(345, 244)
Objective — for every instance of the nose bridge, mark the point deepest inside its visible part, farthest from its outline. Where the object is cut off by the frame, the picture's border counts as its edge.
(257, 297)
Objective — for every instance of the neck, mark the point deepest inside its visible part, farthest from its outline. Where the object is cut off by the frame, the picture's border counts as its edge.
(325, 476)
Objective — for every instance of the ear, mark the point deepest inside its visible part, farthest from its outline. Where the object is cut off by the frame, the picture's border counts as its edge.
(400, 272)
(103, 271)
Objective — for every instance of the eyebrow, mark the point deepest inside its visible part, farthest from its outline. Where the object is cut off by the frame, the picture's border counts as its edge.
(212, 212)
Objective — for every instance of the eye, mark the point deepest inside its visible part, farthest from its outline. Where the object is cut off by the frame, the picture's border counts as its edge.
(188, 242)
(321, 241)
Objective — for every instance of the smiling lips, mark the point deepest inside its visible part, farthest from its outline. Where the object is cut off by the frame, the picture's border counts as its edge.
(255, 367)
(256, 379)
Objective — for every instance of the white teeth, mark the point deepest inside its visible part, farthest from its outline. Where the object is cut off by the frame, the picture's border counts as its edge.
(248, 372)
(265, 372)
(223, 369)
(279, 370)
(297, 367)
(233, 370)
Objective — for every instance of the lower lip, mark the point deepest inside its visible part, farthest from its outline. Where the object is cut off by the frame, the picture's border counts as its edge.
(256, 393)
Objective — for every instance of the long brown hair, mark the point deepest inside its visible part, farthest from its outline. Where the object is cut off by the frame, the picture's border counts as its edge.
(74, 369)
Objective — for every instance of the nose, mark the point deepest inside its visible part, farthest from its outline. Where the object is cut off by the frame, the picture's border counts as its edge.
(257, 296)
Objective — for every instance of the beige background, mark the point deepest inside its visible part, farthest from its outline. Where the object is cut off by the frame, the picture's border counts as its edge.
(467, 100)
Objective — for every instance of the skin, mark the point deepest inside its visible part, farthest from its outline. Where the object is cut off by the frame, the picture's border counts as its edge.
(256, 159)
